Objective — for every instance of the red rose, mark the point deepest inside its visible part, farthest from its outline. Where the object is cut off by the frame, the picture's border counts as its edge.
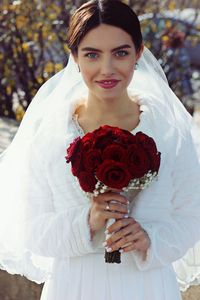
(146, 141)
(87, 181)
(104, 136)
(115, 152)
(138, 161)
(77, 164)
(113, 155)
(88, 141)
(91, 160)
(155, 162)
(150, 147)
(73, 149)
(113, 174)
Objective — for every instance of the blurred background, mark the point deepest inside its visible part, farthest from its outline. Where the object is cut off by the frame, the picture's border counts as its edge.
(33, 48)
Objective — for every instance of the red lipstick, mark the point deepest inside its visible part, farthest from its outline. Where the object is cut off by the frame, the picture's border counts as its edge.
(108, 84)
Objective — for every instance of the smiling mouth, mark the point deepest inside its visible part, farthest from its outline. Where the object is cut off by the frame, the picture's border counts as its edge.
(108, 83)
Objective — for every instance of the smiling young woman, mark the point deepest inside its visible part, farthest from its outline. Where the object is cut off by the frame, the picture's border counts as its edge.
(107, 70)
(50, 231)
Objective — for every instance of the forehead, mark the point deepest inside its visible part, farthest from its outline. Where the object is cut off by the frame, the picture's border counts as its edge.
(106, 36)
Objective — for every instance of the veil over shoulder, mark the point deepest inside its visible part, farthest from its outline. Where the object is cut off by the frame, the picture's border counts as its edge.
(55, 101)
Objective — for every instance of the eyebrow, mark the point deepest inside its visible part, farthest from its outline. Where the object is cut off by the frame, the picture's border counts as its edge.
(97, 50)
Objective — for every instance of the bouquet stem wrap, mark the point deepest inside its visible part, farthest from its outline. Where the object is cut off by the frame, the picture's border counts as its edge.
(115, 256)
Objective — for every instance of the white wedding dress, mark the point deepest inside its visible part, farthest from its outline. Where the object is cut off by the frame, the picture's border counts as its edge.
(44, 232)
(169, 210)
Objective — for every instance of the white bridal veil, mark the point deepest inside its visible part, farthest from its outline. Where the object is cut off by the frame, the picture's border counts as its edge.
(55, 100)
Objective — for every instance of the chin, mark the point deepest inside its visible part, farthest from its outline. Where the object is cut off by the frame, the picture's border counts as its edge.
(110, 94)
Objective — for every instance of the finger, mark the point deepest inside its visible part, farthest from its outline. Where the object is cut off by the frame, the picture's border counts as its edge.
(117, 236)
(135, 238)
(116, 207)
(113, 215)
(117, 245)
(120, 224)
(120, 234)
(128, 234)
(107, 197)
(138, 236)
(140, 245)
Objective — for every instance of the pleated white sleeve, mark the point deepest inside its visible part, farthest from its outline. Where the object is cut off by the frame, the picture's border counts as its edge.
(52, 233)
(172, 238)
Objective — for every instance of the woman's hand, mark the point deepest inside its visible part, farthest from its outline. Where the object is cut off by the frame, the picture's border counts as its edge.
(99, 214)
(129, 235)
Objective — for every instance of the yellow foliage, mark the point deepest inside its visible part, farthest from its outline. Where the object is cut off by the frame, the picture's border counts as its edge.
(56, 8)
(168, 24)
(58, 67)
(66, 48)
(52, 16)
(40, 80)
(49, 67)
(45, 32)
(148, 45)
(1, 56)
(17, 41)
(38, 25)
(25, 46)
(30, 59)
(12, 7)
(35, 37)
(52, 37)
(172, 5)
(165, 38)
(19, 112)
(15, 53)
(8, 90)
(6, 71)
(21, 21)
(153, 27)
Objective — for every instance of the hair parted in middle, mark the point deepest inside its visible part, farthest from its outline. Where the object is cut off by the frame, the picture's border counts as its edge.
(96, 12)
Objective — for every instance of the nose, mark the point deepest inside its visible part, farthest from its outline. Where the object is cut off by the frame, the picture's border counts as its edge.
(107, 67)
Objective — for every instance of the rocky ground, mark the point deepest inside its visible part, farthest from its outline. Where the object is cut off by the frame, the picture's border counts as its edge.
(14, 287)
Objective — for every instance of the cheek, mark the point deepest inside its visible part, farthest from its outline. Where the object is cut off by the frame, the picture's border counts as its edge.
(88, 72)
(128, 71)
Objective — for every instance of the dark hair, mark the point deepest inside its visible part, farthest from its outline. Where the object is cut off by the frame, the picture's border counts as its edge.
(93, 13)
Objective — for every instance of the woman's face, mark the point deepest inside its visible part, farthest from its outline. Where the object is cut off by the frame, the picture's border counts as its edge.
(106, 57)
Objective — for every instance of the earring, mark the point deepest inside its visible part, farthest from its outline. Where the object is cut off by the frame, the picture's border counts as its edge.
(135, 67)
(79, 70)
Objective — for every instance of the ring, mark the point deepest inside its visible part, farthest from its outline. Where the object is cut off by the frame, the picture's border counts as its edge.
(107, 207)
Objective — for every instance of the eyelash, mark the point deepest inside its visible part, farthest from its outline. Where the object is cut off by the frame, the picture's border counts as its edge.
(125, 53)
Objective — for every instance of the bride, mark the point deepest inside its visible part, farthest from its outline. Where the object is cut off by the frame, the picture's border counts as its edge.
(49, 230)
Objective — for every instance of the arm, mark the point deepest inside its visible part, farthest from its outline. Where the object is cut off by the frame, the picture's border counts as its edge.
(50, 233)
(171, 240)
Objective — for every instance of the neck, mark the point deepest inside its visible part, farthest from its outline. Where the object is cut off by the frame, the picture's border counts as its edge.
(108, 107)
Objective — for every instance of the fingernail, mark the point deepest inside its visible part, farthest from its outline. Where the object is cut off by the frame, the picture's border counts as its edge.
(104, 244)
(121, 250)
(128, 210)
(126, 216)
(108, 249)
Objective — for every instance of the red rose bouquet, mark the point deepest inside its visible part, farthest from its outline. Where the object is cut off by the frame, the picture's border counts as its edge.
(113, 158)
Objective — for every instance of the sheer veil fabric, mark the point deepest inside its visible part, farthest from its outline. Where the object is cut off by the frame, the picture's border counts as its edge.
(56, 101)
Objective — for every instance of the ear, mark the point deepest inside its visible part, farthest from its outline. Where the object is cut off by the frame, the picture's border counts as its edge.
(138, 55)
